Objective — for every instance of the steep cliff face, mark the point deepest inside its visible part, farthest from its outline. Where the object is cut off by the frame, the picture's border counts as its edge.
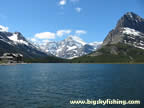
(17, 43)
(124, 44)
(131, 20)
(129, 30)
(71, 47)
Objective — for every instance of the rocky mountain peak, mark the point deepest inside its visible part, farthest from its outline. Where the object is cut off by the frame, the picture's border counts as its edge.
(71, 47)
(129, 30)
(131, 20)
(20, 36)
(131, 14)
(75, 39)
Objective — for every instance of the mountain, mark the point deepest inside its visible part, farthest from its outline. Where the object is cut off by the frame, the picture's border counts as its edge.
(70, 47)
(123, 44)
(16, 43)
(129, 30)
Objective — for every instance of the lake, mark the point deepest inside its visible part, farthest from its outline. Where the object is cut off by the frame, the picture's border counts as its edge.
(54, 85)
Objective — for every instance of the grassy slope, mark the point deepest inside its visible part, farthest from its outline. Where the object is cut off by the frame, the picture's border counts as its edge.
(126, 54)
(48, 59)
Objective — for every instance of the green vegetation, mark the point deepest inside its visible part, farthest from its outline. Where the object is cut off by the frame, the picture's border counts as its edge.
(125, 54)
(2, 62)
(48, 59)
(118, 53)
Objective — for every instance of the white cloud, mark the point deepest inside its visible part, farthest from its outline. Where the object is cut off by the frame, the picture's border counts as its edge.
(45, 35)
(36, 41)
(80, 32)
(61, 33)
(62, 2)
(78, 9)
(3, 29)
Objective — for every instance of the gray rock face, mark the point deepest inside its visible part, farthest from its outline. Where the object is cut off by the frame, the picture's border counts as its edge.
(131, 20)
(115, 36)
(96, 54)
(129, 30)
(114, 50)
(16, 43)
(70, 47)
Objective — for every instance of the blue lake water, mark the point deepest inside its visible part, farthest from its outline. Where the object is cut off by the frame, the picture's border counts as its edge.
(54, 85)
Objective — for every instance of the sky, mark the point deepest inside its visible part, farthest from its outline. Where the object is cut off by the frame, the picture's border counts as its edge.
(54, 20)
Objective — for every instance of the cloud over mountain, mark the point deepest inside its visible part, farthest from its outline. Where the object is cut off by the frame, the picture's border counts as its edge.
(3, 29)
(61, 33)
(80, 32)
(45, 35)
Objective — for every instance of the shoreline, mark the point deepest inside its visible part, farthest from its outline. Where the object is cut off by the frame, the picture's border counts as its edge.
(10, 64)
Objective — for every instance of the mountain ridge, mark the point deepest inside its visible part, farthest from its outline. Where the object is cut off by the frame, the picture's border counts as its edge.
(129, 29)
(123, 44)
(125, 40)
(70, 47)
(17, 43)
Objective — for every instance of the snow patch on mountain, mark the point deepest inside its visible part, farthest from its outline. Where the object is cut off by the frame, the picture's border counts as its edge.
(130, 31)
(78, 39)
(69, 48)
(96, 45)
(133, 37)
(15, 39)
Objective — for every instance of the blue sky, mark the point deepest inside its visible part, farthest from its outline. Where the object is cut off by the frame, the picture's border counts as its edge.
(57, 19)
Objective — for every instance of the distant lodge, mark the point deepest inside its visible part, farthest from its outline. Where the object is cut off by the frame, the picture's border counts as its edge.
(12, 58)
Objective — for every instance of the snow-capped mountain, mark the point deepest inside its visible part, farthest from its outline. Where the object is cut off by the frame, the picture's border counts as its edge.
(17, 38)
(129, 30)
(123, 44)
(70, 47)
(16, 43)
